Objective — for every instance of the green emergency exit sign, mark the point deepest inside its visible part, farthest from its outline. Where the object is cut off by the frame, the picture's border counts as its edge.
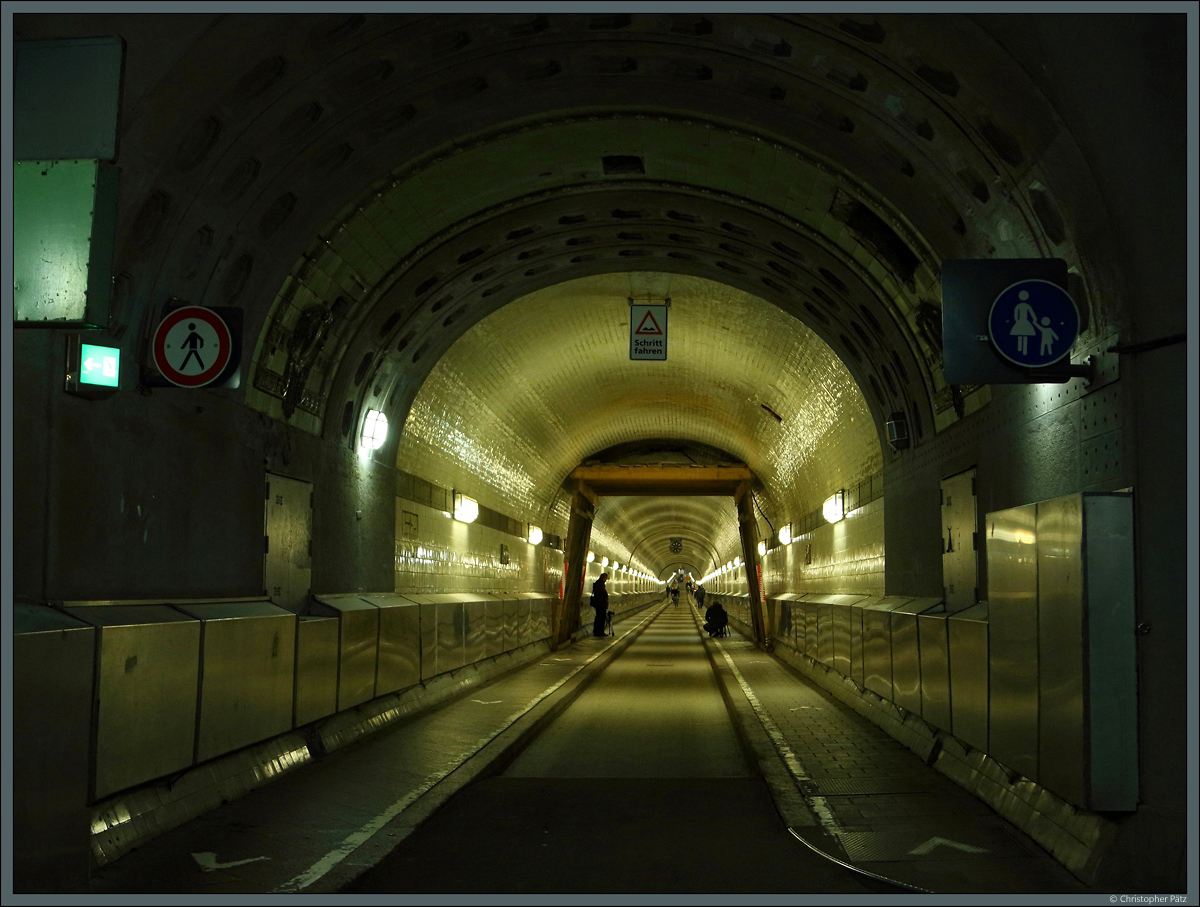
(99, 365)
(93, 369)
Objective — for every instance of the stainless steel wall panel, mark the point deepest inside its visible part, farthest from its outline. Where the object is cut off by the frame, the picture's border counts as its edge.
(451, 632)
(474, 629)
(934, 648)
(528, 604)
(429, 647)
(824, 631)
(494, 626)
(147, 680)
(358, 647)
(316, 669)
(1061, 741)
(1011, 544)
(398, 665)
(877, 645)
(906, 655)
(811, 619)
(1112, 653)
(510, 627)
(247, 674)
(53, 673)
(1087, 728)
(539, 618)
(967, 633)
(858, 640)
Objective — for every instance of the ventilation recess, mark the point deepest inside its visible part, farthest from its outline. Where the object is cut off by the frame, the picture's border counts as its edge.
(619, 164)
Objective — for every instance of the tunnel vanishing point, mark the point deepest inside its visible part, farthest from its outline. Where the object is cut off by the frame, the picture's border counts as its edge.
(432, 240)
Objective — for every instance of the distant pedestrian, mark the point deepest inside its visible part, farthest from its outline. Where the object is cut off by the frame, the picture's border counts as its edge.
(699, 595)
(600, 603)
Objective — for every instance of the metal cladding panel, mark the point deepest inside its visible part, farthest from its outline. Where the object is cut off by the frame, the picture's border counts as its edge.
(247, 674)
(493, 626)
(398, 665)
(1112, 652)
(510, 637)
(824, 613)
(358, 647)
(528, 606)
(429, 639)
(877, 645)
(858, 652)
(53, 672)
(539, 618)
(451, 634)
(1011, 542)
(934, 647)
(474, 630)
(1062, 737)
(967, 632)
(1087, 743)
(147, 680)
(791, 620)
(906, 657)
(811, 616)
(783, 620)
(316, 669)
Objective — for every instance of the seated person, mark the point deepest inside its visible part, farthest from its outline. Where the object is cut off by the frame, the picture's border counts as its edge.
(715, 619)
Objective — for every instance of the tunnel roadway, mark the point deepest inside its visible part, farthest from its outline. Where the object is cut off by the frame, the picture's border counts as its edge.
(655, 762)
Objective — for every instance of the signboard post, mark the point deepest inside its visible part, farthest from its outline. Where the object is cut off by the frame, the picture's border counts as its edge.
(648, 332)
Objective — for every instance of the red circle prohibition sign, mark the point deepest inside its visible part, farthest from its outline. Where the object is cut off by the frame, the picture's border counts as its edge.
(177, 342)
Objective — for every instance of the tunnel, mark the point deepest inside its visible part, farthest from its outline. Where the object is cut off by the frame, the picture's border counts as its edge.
(437, 243)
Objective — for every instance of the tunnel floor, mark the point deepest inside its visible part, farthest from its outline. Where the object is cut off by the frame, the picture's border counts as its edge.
(645, 762)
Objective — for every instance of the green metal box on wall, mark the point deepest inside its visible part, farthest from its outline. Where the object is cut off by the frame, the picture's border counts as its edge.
(64, 228)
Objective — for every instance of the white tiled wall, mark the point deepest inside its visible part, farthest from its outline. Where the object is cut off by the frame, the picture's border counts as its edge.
(444, 555)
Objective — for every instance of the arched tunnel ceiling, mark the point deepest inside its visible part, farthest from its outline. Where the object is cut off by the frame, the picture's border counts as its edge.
(546, 382)
(368, 187)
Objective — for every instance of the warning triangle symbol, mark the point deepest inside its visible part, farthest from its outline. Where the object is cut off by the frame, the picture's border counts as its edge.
(648, 325)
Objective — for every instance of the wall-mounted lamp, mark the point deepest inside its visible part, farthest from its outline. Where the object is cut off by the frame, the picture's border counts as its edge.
(835, 508)
(374, 430)
(535, 535)
(762, 548)
(897, 430)
(466, 510)
(591, 556)
(603, 562)
(785, 535)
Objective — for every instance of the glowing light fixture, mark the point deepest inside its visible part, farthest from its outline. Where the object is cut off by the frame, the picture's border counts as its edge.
(591, 556)
(535, 535)
(374, 430)
(835, 508)
(762, 548)
(603, 562)
(466, 510)
(785, 535)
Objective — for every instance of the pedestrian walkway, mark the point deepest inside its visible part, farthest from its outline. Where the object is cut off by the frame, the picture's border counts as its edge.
(843, 786)
(853, 792)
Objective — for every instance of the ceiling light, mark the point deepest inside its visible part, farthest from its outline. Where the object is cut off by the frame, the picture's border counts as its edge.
(535, 535)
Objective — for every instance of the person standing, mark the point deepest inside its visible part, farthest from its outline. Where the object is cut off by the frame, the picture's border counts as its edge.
(600, 603)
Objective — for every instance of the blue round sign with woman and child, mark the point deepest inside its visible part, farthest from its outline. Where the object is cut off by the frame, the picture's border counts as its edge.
(1033, 323)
